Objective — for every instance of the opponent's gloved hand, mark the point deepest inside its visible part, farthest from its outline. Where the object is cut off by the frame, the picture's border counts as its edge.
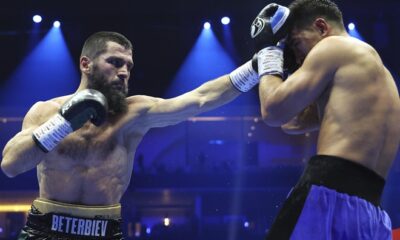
(85, 105)
(268, 29)
(245, 77)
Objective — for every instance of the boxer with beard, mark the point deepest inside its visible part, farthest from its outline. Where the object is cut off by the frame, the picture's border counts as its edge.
(115, 92)
(83, 145)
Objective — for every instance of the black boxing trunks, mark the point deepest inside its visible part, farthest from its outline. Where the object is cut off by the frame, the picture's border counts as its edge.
(55, 220)
(334, 199)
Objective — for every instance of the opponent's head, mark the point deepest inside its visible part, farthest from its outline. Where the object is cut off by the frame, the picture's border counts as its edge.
(105, 63)
(312, 20)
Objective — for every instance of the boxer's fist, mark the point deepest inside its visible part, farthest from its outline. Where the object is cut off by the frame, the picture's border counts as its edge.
(85, 105)
(270, 26)
(269, 29)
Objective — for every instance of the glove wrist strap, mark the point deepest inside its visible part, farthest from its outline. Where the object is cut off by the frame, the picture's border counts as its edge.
(244, 77)
(50, 133)
(270, 61)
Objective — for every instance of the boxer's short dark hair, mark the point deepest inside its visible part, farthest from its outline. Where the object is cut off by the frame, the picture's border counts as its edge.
(96, 44)
(304, 12)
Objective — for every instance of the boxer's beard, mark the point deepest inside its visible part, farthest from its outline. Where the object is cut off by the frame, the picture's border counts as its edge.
(115, 92)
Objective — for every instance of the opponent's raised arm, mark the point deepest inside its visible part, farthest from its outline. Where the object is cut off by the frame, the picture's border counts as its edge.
(282, 100)
(209, 95)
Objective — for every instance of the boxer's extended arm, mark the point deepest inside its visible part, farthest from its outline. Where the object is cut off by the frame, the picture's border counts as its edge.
(304, 122)
(282, 101)
(21, 153)
(209, 95)
(212, 94)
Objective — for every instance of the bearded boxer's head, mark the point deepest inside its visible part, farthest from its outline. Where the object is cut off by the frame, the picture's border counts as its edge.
(312, 20)
(114, 92)
(106, 61)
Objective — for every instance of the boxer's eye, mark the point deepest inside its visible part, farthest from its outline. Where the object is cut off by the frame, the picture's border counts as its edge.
(116, 62)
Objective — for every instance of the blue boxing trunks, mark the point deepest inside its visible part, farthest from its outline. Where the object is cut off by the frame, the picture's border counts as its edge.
(334, 199)
(54, 220)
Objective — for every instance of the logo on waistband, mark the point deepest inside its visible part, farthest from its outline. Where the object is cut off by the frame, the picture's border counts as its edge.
(79, 226)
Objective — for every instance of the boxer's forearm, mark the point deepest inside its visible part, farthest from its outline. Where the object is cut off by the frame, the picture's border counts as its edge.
(215, 93)
(20, 154)
(208, 96)
(269, 100)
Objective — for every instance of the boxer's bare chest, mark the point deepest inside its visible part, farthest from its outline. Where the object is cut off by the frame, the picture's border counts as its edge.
(89, 146)
(92, 166)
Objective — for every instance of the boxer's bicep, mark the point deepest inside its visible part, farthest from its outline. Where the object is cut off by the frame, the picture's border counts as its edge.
(29, 123)
(20, 153)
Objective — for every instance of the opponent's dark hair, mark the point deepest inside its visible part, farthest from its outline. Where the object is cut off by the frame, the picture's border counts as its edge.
(304, 12)
(96, 44)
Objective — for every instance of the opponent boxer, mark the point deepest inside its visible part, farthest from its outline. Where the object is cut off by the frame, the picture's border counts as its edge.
(342, 89)
(83, 145)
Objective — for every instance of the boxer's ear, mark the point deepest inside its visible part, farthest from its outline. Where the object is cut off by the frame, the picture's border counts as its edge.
(322, 26)
(85, 64)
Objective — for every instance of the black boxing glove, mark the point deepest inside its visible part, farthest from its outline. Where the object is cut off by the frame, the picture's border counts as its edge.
(85, 105)
(267, 30)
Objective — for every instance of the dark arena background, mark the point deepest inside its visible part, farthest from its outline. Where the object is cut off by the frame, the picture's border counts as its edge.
(219, 175)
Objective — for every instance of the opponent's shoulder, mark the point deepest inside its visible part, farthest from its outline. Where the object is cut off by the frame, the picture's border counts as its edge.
(346, 47)
(337, 51)
(331, 47)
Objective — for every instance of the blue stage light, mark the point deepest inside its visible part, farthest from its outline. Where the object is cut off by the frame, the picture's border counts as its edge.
(56, 24)
(246, 224)
(353, 31)
(207, 25)
(37, 19)
(351, 26)
(51, 52)
(225, 20)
